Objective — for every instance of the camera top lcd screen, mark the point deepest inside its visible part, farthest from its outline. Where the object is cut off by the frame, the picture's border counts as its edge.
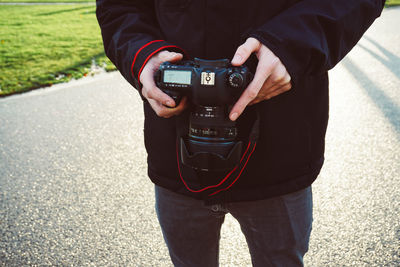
(178, 76)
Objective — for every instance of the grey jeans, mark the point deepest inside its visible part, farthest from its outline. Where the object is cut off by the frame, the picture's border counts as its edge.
(277, 230)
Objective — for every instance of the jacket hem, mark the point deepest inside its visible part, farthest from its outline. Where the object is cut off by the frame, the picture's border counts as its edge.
(258, 192)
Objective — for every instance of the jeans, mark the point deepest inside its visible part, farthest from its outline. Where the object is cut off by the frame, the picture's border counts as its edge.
(277, 230)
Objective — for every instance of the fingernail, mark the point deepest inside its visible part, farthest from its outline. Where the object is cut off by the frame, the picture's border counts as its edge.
(236, 59)
(169, 103)
(234, 116)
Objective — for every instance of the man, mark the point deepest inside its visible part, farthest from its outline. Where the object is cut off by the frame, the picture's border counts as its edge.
(289, 45)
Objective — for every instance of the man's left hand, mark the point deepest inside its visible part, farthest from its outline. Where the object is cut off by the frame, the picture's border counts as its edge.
(271, 77)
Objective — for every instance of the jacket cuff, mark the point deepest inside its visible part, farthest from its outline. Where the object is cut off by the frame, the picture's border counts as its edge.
(147, 51)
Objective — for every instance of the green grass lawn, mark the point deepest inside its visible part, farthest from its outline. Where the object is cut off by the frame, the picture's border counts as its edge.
(43, 45)
(392, 3)
(46, 1)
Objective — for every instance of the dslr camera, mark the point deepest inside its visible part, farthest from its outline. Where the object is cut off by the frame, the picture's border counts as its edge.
(212, 87)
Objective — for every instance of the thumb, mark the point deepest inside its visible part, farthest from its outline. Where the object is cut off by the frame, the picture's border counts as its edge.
(245, 50)
(170, 56)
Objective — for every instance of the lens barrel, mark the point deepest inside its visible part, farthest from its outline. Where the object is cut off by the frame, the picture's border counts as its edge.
(210, 130)
(211, 124)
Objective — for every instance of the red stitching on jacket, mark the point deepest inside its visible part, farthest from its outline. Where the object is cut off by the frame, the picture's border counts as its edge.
(137, 53)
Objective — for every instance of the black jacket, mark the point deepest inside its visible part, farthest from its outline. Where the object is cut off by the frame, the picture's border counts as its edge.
(309, 36)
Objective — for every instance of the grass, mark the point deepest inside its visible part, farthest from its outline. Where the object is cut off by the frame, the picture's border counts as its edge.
(46, 1)
(388, 2)
(392, 3)
(44, 45)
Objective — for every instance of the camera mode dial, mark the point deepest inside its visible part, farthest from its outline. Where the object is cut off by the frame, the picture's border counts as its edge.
(236, 80)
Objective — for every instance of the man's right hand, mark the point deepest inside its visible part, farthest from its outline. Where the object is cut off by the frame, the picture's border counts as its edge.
(158, 100)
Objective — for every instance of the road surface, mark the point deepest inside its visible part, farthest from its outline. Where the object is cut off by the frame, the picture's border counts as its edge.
(74, 190)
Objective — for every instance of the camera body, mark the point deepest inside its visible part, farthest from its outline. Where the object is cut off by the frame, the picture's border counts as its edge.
(212, 87)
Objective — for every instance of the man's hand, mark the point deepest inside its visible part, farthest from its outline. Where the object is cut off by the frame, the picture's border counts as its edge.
(158, 99)
(271, 77)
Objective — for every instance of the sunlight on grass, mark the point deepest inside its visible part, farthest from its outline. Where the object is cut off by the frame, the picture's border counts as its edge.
(46, 1)
(43, 45)
(392, 3)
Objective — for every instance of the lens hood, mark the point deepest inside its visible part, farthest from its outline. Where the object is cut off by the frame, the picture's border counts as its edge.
(198, 159)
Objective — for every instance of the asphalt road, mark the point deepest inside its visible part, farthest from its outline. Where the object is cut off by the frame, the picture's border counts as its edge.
(74, 190)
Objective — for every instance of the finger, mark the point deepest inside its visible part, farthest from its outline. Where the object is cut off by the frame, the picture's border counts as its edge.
(244, 51)
(166, 112)
(160, 109)
(274, 82)
(273, 91)
(287, 79)
(263, 93)
(163, 56)
(156, 106)
(279, 76)
(270, 87)
(264, 70)
(151, 91)
(280, 90)
(180, 108)
(241, 104)
(169, 56)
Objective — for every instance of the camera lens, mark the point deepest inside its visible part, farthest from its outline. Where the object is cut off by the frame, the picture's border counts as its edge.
(211, 130)
(211, 124)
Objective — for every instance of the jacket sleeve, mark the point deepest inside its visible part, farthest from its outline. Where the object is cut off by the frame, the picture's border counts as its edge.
(131, 35)
(312, 36)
